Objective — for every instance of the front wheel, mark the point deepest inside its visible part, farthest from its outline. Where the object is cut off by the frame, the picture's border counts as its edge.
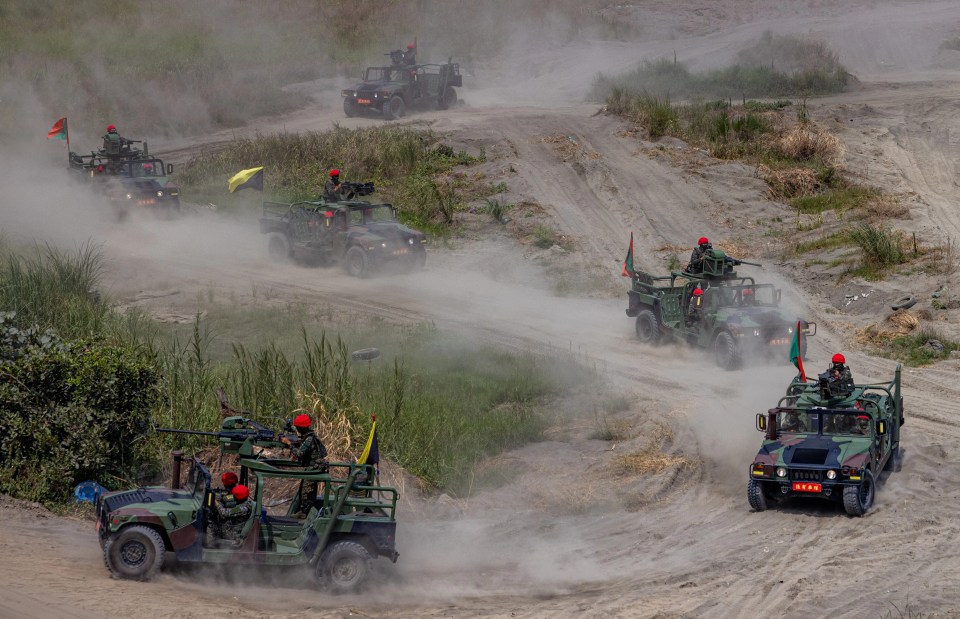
(350, 108)
(355, 262)
(725, 351)
(394, 108)
(857, 500)
(135, 553)
(344, 566)
(755, 495)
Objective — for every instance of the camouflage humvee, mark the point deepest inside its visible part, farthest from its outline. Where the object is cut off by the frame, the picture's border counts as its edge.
(828, 439)
(739, 318)
(349, 523)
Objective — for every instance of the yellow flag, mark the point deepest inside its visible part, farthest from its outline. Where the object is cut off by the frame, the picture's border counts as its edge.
(371, 451)
(247, 179)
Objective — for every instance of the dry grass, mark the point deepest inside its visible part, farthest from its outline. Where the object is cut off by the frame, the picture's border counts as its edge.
(789, 183)
(567, 147)
(885, 206)
(653, 458)
(897, 324)
(806, 143)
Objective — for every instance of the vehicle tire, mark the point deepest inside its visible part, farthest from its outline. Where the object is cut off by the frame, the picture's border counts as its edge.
(394, 108)
(365, 354)
(135, 553)
(448, 100)
(756, 496)
(725, 351)
(903, 303)
(858, 500)
(648, 327)
(278, 246)
(349, 107)
(355, 262)
(344, 566)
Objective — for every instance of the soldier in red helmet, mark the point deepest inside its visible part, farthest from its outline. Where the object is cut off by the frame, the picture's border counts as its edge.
(331, 190)
(695, 307)
(224, 494)
(232, 518)
(696, 258)
(838, 369)
(309, 453)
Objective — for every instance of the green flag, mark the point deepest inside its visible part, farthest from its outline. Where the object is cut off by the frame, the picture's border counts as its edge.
(628, 262)
(795, 353)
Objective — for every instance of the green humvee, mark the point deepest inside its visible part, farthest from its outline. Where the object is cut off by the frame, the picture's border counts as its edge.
(739, 317)
(350, 523)
(828, 439)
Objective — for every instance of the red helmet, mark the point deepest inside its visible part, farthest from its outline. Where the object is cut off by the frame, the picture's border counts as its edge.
(240, 492)
(302, 421)
(703, 240)
(229, 479)
(410, 45)
(334, 172)
(747, 291)
(838, 358)
(697, 292)
(111, 128)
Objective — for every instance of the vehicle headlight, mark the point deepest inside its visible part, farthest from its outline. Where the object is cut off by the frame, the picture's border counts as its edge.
(383, 244)
(781, 471)
(129, 196)
(160, 194)
(790, 330)
(410, 241)
(756, 333)
(831, 474)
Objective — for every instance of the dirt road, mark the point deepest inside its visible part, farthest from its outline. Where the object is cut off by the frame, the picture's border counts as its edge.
(679, 543)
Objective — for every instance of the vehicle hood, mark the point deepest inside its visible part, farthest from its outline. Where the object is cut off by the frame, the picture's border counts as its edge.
(368, 88)
(754, 317)
(814, 451)
(155, 499)
(389, 232)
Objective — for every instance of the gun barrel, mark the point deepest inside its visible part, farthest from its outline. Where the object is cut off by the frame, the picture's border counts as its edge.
(177, 431)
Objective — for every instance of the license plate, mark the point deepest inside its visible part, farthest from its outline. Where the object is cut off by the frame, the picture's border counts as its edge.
(779, 342)
(363, 101)
(805, 486)
(149, 202)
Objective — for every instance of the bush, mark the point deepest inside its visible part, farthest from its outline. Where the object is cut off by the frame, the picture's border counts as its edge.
(71, 412)
(881, 246)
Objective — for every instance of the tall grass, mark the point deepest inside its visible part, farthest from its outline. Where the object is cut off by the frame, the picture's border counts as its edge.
(775, 66)
(881, 246)
(54, 289)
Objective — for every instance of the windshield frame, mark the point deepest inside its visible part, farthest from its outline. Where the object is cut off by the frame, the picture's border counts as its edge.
(826, 422)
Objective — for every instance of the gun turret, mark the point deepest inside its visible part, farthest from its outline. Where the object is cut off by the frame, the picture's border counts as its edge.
(351, 190)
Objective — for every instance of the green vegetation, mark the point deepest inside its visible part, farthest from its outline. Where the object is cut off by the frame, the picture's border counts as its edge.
(775, 66)
(914, 349)
(78, 408)
(881, 246)
(840, 199)
(409, 167)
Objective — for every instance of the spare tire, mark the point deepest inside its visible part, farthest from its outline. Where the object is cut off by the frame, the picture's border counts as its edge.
(904, 303)
(365, 354)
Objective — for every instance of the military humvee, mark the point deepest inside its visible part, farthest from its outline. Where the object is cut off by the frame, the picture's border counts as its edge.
(738, 317)
(350, 523)
(828, 439)
(361, 236)
(130, 178)
(389, 91)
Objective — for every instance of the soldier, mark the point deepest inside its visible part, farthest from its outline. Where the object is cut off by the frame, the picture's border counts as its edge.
(113, 144)
(791, 422)
(695, 307)
(225, 494)
(838, 371)
(310, 452)
(696, 257)
(233, 518)
(410, 56)
(331, 190)
(748, 297)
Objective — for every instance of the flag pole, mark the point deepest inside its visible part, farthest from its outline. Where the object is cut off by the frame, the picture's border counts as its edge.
(66, 130)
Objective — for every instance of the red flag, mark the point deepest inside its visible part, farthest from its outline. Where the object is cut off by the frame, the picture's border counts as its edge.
(59, 130)
(628, 261)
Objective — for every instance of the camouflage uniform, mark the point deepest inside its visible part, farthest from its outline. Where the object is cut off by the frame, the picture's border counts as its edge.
(112, 143)
(311, 452)
(233, 518)
(331, 190)
(224, 496)
(696, 259)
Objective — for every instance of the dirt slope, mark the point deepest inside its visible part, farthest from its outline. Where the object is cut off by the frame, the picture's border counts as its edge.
(679, 543)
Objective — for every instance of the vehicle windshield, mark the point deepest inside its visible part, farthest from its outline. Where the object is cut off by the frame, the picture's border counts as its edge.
(379, 213)
(824, 422)
(145, 169)
(384, 74)
(198, 481)
(744, 296)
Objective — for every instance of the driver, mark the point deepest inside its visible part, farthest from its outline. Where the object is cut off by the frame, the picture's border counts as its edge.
(233, 518)
(791, 422)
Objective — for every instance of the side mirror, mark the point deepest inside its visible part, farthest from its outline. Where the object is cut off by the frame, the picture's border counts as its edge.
(881, 427)
(169, 169)
(761, 422)
(810, 329)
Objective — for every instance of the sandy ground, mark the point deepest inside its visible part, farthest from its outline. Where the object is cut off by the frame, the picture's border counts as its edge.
(567, 538)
